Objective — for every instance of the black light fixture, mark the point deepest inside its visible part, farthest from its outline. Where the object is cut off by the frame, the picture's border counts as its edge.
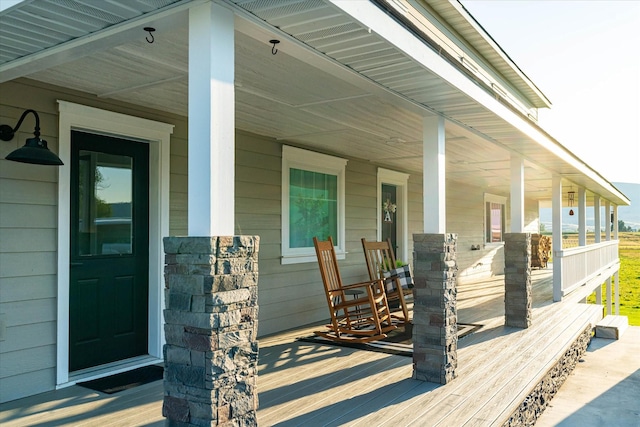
(35, 150)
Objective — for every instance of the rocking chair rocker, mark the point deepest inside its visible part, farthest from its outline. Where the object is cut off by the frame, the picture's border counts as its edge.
(354, 319)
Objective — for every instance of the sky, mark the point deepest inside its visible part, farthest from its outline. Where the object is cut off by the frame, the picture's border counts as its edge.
(585, 57)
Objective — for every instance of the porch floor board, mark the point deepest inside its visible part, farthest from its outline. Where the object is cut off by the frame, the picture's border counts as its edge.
(303, 383)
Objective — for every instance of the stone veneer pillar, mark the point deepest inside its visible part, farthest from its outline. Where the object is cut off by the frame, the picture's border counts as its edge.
(211, 324)
(435, 339)
(517, 279)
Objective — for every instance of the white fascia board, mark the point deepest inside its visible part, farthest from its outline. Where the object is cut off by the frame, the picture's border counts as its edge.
(91, 43)
(372, 17)
(471, 21)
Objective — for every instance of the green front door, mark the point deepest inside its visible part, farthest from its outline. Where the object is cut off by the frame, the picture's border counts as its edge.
(109, 272)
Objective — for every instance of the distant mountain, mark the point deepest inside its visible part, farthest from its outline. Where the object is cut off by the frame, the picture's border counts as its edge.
(629, 214)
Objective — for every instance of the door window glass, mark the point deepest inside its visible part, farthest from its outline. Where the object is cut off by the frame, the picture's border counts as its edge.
(389, 215)
(104, 204)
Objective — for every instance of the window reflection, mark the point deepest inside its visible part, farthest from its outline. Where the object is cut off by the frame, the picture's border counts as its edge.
(105, 204)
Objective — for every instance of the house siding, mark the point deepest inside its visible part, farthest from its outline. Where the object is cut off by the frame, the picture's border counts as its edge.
(28, 232)
(289, 295)
(28, 222)
(292, 294)
(465, 216)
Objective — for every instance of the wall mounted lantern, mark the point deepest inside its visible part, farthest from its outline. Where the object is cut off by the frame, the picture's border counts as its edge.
(35, 150)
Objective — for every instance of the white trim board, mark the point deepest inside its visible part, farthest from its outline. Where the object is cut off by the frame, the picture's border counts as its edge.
(299, 158)
(157, 134)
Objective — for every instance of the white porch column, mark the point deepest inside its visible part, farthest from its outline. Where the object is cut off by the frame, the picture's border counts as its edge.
(211, 121)
(607, 220)
(599, 295)
(597, 225)
(608, 296)
(607, 233)
(517, 194)
(616, 278)
(556, 219)
(433, 178)
(582, 217)
(615, 222)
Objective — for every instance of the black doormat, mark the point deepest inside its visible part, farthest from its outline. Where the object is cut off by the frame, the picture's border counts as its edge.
(125, 380)
(398, 341)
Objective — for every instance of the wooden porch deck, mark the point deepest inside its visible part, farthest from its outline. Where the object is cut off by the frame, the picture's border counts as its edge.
(310, 384)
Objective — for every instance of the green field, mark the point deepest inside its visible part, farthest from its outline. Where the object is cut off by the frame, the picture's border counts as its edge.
(629, 251)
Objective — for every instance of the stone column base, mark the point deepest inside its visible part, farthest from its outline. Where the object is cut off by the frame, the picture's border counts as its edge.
(211, 325)
(435, 339)
(517, 279)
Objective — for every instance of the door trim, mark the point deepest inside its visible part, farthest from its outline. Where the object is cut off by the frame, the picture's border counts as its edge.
(400, 180)
(80, 117)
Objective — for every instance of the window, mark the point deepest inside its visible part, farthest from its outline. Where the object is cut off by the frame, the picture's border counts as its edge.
(494, 218)
(312, 203)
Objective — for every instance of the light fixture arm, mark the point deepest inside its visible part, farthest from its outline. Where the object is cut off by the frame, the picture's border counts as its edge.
(7, 132)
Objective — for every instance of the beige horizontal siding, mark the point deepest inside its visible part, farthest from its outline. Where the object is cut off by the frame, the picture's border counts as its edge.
(27, 288)
(28, 231)
(289, 295)
(28, 240)
(27, 384)
(22, 217)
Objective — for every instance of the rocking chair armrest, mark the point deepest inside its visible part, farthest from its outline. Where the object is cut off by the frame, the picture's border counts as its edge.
(364, 284)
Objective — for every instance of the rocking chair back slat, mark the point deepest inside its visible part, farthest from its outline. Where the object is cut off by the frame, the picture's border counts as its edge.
(380, 259)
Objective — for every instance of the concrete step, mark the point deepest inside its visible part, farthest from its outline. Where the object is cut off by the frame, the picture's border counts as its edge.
(612, 327)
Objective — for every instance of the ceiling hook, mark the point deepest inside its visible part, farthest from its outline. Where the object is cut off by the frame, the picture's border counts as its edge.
(150, 30)
(274, 42)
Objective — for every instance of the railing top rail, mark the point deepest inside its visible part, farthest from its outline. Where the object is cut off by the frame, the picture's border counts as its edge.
(587, 248)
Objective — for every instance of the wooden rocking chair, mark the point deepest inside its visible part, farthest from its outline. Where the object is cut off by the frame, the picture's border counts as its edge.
(361, 315)
(380, 259)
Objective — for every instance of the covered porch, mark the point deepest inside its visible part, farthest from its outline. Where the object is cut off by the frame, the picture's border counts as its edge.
(301, 383)
(450, 141)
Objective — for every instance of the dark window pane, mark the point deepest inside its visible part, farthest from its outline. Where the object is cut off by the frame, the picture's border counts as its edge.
(313, 207)
(104, 204)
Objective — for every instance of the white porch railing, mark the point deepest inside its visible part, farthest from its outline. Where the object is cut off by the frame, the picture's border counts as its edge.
(579, 265)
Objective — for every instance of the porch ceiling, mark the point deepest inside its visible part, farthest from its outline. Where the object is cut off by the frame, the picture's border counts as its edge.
(332, 80)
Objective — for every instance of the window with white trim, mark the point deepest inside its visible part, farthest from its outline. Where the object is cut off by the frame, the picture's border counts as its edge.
(494, 214)
(312, 203)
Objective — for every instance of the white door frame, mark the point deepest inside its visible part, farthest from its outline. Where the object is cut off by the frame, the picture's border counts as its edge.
(400, 180)
(157, 134)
